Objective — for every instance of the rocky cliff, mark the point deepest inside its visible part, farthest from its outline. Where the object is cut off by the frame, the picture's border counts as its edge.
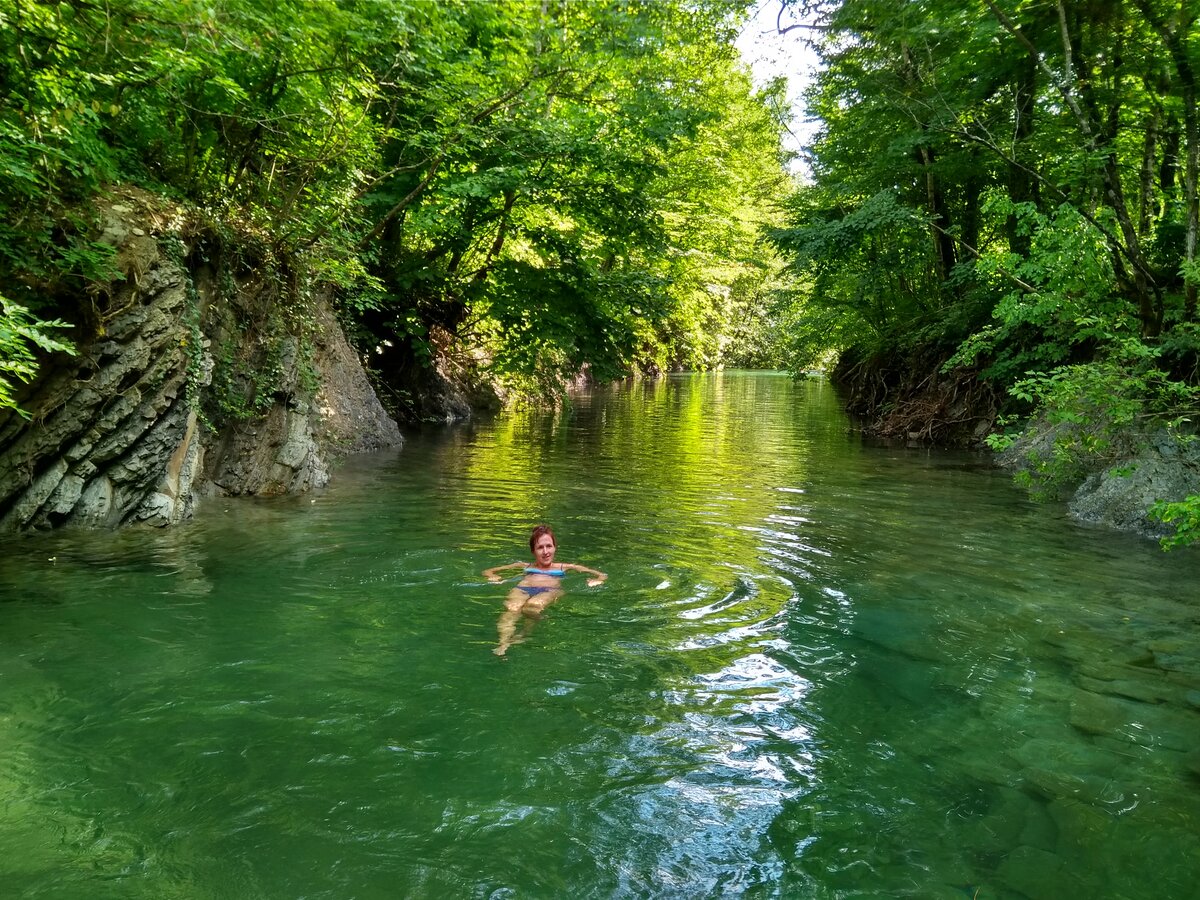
(204, 368)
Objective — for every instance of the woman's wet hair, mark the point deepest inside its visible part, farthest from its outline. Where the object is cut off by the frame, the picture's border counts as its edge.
(538, 532)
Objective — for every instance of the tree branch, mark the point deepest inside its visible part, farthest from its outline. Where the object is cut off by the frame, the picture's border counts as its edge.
(1064, 88)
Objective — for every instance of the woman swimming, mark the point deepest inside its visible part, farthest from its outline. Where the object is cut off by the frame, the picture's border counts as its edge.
(540, 587)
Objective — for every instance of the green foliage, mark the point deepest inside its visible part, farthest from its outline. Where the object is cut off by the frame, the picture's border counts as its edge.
(193, 342)
(243, 387)
(584, 193)
(1005, 182)
(1184, 515)
(250, 109)
(21, 335)
(852, 258)
(1083, 409)
(1005, 188)
(567, 184)
(1064, 295)
(1088, 414)
(999, 441)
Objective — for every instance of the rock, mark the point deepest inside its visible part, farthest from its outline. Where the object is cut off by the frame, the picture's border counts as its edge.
(114, 437)
(1122, 496)
(1039, 830)
(1177, 655)
(1143, 691)
(348, 414)
(1080, 829)
(1120, 660)
(299, 444)
(1137, 723)
(1140, 469)
(1191, 762)
(65, 496)
(1001, 828)
(893, 630)
(24, 510)
(95, 503)
(1059, 785)
(157, 509)
(121, 330)
(1036, 874)
(1080, 825)
(1073, 756)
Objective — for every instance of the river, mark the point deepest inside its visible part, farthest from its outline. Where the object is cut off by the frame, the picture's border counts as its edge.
(818, 669)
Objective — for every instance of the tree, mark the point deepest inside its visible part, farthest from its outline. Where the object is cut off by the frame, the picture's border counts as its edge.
(1042, 107)
(1040, 147)
(521, 179)
(558, 183)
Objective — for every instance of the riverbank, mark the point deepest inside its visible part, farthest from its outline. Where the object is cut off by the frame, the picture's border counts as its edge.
(202, 368)
(1109, 476)
(1119, 484)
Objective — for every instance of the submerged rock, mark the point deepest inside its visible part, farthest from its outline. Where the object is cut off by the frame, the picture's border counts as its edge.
(1142, 724)
(1036, 873)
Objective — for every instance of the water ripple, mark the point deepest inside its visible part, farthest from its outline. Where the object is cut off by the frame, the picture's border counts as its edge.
(817, 670)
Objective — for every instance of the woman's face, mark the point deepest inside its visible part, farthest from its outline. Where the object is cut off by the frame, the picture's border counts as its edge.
(543, 551)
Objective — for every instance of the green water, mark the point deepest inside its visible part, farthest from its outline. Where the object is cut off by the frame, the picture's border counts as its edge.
(818, 669)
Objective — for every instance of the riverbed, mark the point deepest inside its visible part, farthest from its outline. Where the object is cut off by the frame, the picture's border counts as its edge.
(818, 669)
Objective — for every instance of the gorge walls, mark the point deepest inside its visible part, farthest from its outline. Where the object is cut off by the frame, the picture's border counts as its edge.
(204, 368)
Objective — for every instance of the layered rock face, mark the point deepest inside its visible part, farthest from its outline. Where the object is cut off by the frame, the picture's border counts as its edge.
(135, 428)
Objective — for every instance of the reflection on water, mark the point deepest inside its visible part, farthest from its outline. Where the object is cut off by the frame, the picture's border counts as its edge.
(818, 669)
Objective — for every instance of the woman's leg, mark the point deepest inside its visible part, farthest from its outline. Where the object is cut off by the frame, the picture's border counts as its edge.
(506, 626)
(520, 605)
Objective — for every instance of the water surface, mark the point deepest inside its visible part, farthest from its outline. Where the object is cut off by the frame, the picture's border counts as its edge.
(818, 669)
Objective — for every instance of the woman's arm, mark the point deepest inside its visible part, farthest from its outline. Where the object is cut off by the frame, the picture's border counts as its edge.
(597, 576)
(491, 574)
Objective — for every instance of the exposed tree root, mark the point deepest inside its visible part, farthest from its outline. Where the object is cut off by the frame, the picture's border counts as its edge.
(910, 398)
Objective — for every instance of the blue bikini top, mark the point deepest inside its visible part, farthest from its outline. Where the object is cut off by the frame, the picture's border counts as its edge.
(559, 573)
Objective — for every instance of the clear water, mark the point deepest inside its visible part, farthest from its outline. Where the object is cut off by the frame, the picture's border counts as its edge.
(818, 669)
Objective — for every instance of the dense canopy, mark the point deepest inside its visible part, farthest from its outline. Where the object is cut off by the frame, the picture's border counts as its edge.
(1004, 208)
(1020, 176)
(552, 185)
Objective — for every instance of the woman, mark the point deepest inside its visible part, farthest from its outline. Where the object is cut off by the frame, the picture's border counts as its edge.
(540, 587)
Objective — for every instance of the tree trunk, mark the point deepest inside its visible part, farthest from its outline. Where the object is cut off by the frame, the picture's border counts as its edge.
(1021, 187)
(1099, 130)
(1169, 166)
(943, 243)
(1175, 36)
(1191, 174)
(1146, 204)
(972, 191)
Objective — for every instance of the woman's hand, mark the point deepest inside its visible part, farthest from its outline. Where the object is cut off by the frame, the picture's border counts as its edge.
(593, 582)
(493, 574)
